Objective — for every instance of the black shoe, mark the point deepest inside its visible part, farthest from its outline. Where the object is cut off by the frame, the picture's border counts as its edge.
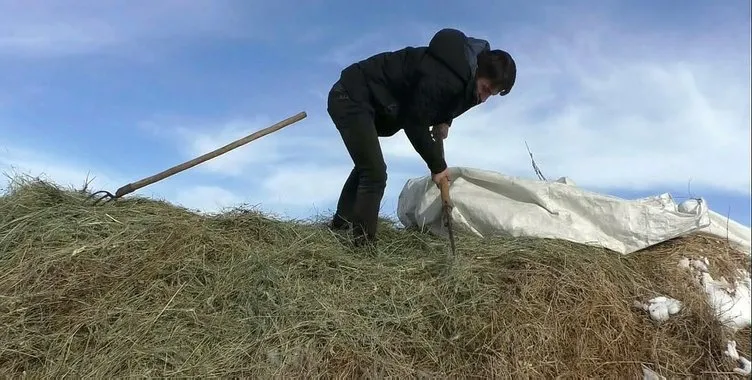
(365, 242)
(339, 224)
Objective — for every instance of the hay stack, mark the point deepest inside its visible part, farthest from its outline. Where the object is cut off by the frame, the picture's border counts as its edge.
(143, 288)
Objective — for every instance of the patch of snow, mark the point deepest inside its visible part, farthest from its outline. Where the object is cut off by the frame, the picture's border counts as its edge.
(732, 302)
(649, 374)
(660, 308)
(701, 265)
(745, 367)
(684, 263)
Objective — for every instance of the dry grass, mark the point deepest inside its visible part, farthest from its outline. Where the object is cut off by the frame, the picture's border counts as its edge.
(142, 288)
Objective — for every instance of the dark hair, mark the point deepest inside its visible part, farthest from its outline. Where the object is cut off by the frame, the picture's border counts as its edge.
(499, 67)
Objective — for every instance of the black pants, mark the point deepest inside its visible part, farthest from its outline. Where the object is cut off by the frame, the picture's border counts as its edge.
(361, 195)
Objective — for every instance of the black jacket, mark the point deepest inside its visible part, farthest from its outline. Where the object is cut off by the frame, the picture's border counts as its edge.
(418, 87)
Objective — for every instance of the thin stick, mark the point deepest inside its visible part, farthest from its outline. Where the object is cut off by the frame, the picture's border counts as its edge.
(131, 187)
(535, 166)
(728, 220)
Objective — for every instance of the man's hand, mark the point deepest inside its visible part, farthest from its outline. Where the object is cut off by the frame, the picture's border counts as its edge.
(437, 178)
(441, 130)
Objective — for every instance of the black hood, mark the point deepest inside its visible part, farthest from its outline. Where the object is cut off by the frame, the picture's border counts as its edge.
(458, 51)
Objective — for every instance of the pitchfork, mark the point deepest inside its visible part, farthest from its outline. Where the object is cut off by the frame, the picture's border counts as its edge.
(446, 202)
(131, 187)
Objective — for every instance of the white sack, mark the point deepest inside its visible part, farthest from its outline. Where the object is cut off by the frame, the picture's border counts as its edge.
(722, 226)
(489, 203)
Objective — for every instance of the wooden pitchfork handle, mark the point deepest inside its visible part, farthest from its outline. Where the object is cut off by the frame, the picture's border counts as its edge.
(131, 187)
(446, 203)
(444, 188)
(446, 210)
(444, 184)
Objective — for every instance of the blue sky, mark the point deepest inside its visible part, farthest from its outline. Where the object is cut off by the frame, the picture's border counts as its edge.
(628, 98)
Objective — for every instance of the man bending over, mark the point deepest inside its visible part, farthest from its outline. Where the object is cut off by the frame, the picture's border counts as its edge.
(412, 89)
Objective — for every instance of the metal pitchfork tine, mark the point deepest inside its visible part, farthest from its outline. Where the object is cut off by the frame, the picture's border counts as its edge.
(106, 193)
(131, 187)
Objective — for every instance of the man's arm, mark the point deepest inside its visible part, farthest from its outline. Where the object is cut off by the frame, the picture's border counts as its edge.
(422, 141)
(429, 101)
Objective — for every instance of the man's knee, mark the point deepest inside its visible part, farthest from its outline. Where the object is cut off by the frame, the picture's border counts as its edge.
(375, 176)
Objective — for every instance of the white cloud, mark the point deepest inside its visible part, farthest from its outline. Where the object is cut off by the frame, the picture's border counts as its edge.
(236, 162)
(138, 29)
(300, 166)
(37, 164)
(300, 191)
(308, 139)
(305, 184)
(353, 50)
(66, 173)
(55, 28)
(610, 119)
(387, 37)
(206, 198)
(612, 112)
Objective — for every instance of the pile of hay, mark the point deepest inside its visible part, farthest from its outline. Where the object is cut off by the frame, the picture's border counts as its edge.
(142, 288)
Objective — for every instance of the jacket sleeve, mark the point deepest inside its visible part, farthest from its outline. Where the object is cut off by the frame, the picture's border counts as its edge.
(422, 141)
(429, 101)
